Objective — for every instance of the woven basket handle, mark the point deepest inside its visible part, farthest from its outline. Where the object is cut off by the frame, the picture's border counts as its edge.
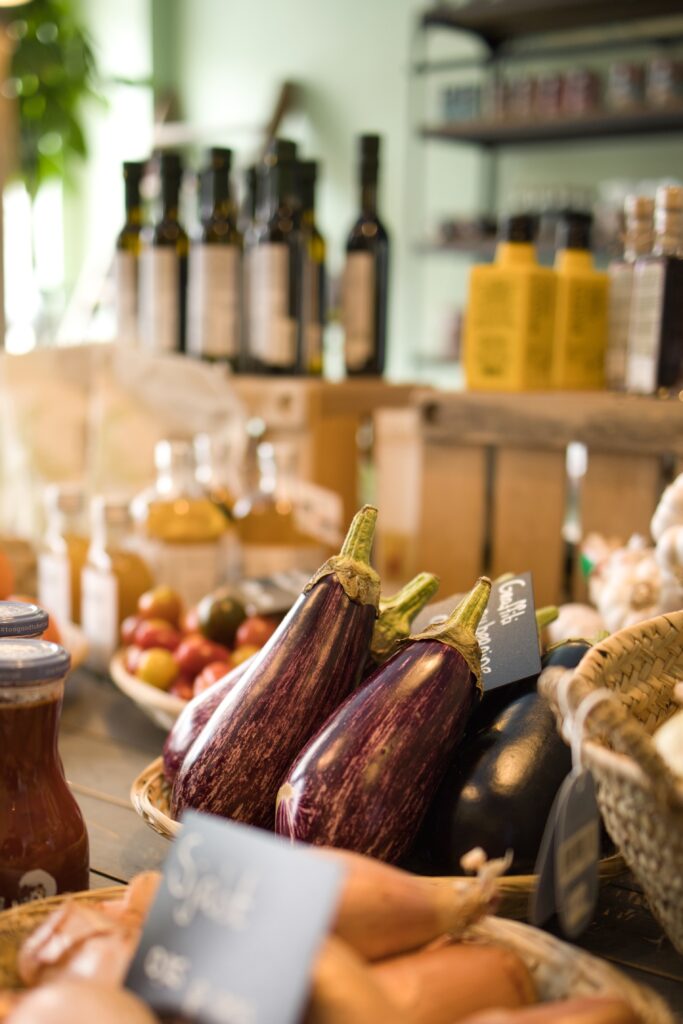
(608, 724)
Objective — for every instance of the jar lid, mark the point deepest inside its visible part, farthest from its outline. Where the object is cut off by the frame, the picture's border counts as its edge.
(32, 661)
(20, 619)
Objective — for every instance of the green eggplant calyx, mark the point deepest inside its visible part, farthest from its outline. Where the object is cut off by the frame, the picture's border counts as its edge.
(459, 629)
(358, 541)
(358, 580)
(398, 611)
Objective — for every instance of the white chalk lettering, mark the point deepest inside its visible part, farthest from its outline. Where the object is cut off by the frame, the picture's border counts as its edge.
(166, 968)
(225, 900)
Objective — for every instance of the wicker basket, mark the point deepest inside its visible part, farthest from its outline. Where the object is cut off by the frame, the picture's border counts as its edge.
(559, 970)
(640, 799)
(150, 796)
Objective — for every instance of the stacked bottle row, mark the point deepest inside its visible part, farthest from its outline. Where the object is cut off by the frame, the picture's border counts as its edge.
(252, 298)
(194, 529)
(573, 326)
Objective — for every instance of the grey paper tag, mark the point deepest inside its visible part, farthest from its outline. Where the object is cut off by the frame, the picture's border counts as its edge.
(542, 900)
(235, 927)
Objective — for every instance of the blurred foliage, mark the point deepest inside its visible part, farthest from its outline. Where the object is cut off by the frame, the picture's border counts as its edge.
(52, 72)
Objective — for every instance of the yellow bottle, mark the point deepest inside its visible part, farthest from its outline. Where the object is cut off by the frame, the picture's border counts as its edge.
(510, 316)
(63, 552)
(581, 318)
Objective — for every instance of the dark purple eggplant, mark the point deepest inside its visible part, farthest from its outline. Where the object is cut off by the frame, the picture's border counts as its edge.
(307, 668)
(194, 717)
(396, 614)
(365, 781)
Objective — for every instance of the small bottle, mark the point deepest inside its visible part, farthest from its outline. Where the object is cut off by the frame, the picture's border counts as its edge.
(270, 530)
(113, 578)
(219, 479)
(366, 274)
(272, 268)
(214, 286)
(312, 272)
(44, 849)
(163, 268)
(179, 529)
(655, 337)
(63, 553)
(248, 206)
(510, 316)
(638, 240)
(581, 308)
(127, 257)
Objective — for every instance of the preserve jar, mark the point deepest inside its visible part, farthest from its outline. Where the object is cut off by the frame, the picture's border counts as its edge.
(43, 840)
(19, 619)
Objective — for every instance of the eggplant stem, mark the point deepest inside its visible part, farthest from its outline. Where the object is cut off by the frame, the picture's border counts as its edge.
(358, 541)
(469, 612)
(546, 615)
(411, 598)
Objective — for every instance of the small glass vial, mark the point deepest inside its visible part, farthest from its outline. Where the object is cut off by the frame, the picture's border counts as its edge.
(63, 553)
(179, 528)
(274, 535)
(113, 578)
(18, 619)
(43, 839)
(638, 238)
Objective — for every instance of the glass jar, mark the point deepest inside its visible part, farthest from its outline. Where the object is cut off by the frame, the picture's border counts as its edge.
(218, 477)
(43, 839)
(113, 578)
(179, 529)
(18, 619)
(63, 552)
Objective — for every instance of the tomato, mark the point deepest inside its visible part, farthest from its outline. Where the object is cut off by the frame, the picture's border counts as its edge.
(128, 628)
(255, 631)
(195, 652)
(158, 667)
(214, 671)
(156, 633)
(160, 603)
(219, 617)
(182, 687)
(241, 654)
(131, 658)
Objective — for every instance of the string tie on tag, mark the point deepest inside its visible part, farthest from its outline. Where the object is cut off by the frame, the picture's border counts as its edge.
(577, 721)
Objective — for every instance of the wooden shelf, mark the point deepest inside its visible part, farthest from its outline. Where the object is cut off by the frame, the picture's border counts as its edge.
(602, 125)
(506, 20)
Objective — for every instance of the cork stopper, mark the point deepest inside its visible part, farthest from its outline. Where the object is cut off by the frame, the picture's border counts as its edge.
(669, 221)
(639, 234)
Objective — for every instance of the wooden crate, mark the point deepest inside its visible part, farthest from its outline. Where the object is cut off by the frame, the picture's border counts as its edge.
(484, 481)
(324, 420)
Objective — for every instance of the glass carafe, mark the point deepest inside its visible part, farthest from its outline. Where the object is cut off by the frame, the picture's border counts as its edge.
(63, 552)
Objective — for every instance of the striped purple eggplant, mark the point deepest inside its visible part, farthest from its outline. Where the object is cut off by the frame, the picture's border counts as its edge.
(194, 717)
(396, 614)
(307, 668)
(365, 781)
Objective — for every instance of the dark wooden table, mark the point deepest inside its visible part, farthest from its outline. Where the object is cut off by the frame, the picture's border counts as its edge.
(106, 741)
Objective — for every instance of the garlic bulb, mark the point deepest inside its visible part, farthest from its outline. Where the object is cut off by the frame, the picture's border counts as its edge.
(668, 740)
(669, 511)
(669, 551)
(631, 586)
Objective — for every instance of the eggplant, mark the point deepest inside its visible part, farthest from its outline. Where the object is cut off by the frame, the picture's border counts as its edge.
(499, 788)
(364, 782)
(309, 665)
(194, 717)
(396, 614)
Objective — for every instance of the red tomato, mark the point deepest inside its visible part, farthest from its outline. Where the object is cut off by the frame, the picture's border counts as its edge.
(214, 671)
(128, 629)
(160, 603)
(195, 652)
(182, 687)
(131, 659)
(156, 633)
(255, 631)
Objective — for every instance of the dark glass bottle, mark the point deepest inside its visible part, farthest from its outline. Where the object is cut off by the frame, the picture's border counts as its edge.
(365, 286)
(247, 217)
(214, 269)
(128, 255)
(272, 268)
(312, 272)
(163, 268)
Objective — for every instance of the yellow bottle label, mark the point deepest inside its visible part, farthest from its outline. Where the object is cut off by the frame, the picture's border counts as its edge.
(581, 331)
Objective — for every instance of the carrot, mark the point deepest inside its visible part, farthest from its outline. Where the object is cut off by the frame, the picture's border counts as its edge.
(595, 1010)
(343, 990)
(444, 984)
(384, 910)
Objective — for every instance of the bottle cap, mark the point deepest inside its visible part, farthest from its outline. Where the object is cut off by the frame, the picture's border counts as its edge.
(519, 227)
(32, 661)
(368, 147)
(280, 151)
(574, 230)
(306, 171)
(133, 170)
(219, 159)
(669, 197)
(639, 207)
(170, 163)
(18, 619)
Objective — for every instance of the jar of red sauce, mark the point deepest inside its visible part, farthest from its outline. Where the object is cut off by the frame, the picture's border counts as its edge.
(19, 619)
(43, 839)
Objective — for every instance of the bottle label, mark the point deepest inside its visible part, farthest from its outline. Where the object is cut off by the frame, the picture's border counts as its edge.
(312, 314)
(358, 308)
(272, 331)
(54, 585)
(586, 332)
(620, 292)
(126, 283)
(191, 569)
(645, 327)
(100, 614)
(318, 513)
(159, 299)
(213, 322)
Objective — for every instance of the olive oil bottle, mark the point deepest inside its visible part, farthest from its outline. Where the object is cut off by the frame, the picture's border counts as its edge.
(215, 269)
(312, 270)
(163, 268)
(366, 274)
(126, 262)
